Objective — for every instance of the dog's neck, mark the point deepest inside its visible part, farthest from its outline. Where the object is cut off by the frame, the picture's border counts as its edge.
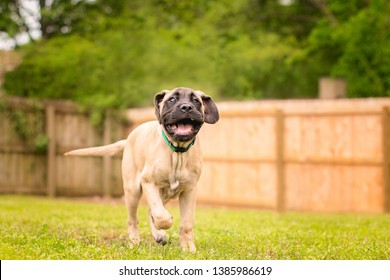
(177, 149)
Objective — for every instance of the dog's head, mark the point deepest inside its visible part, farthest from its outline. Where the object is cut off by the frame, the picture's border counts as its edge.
(182, 112)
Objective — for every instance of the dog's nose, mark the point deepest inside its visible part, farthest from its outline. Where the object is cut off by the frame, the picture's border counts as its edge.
(186, 107)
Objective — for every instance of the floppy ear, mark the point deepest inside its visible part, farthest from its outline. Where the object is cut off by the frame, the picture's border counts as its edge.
(211, 114)
(157, 100)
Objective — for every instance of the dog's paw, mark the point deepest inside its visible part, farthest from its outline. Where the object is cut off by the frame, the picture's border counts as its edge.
(188, 247)
(134, 235)
(159, 236)
(133, 243)
(161, 240)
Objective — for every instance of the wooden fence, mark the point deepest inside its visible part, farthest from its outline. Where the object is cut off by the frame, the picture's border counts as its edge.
(24, 168)
(302, 155)
(312, 155)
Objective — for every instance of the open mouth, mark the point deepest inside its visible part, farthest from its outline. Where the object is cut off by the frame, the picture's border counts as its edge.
(184, 127)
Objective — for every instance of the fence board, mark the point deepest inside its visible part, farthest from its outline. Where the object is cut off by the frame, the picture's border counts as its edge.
(386, 157)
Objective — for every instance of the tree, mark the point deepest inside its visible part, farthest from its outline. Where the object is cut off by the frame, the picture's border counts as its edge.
(43, 18)
(365, 57)
(13, 19)
(114, 54)
(348, 39)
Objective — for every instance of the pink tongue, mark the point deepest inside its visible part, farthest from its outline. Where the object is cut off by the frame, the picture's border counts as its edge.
(184, 128)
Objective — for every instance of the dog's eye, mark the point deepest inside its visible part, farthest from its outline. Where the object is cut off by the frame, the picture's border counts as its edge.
(172, 100)
(196, 101)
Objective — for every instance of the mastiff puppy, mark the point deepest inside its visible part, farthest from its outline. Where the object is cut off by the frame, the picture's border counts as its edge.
(162, 159)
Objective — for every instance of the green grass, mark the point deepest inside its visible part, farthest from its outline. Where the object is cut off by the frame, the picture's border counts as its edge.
(41, 228)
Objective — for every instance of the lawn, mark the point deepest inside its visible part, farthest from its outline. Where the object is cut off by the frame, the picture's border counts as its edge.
(42, 228)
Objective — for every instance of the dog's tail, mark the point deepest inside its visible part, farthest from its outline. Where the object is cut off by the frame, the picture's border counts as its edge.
(107, 150)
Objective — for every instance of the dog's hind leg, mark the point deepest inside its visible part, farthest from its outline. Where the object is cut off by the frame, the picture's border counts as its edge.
(133, 193)
(132, 197)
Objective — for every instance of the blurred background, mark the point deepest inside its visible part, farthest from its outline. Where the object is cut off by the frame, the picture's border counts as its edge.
(302, 86)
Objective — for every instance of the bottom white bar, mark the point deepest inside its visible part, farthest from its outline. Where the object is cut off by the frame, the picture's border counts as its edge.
(175, 269)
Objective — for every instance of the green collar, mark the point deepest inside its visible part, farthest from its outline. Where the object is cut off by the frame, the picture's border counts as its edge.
(177, 149)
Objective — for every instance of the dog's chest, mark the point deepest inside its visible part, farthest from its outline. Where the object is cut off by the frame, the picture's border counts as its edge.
(173, 189)
(179, 177)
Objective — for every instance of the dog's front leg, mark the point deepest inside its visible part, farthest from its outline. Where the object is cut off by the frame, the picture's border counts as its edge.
(158, 234)
(187, 202)
(158, 214)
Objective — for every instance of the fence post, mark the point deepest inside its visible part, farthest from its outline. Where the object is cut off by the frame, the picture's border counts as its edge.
(51, 150)
(107, 159)
(386, 158)
(280, 180)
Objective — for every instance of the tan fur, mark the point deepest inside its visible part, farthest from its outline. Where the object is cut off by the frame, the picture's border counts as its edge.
(108, 150)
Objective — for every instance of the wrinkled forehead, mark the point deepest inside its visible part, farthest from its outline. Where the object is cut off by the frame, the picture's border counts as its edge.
(183, 93)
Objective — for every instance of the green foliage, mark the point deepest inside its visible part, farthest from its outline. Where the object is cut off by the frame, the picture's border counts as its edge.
(7, 24)
(356, 47)
(365, 61)
(117, 54)
(28, 126)
(40, 228)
